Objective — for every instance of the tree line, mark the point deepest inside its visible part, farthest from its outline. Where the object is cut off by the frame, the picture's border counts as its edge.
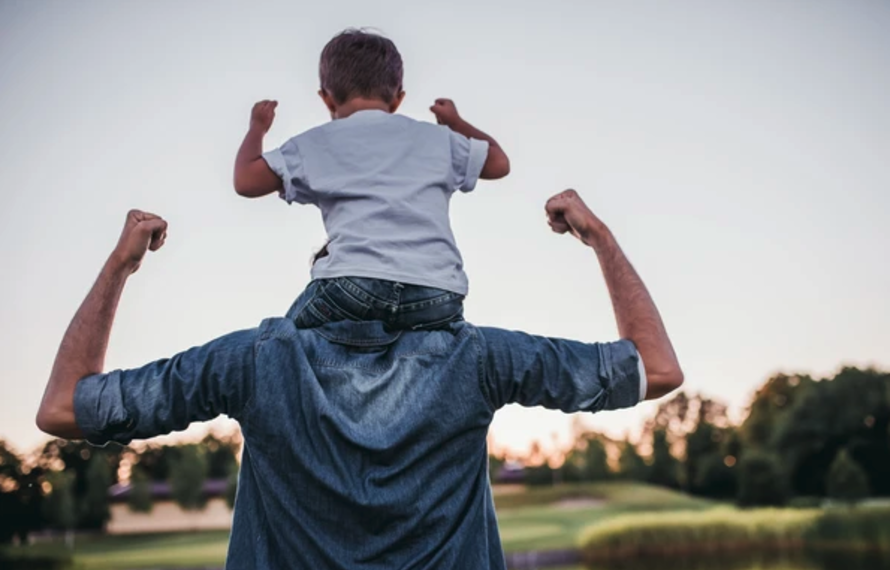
(802, 441)
(65, 485)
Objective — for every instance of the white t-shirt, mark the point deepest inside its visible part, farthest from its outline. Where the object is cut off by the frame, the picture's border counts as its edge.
(383, 183)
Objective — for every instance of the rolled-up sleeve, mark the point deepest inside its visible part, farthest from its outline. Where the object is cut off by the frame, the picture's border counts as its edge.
(167, 395)
(287, 162)
(468, 158)
(560, 374)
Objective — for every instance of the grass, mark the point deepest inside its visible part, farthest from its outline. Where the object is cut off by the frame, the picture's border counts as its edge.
(531, 520)
(726, 530)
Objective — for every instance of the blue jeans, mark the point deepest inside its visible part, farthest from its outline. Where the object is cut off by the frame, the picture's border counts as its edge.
(399, 306)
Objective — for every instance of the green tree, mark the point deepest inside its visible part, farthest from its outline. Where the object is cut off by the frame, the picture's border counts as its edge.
(847, 481)
(851, 411)
(770, 406)
(588, 461)
(716, 477)
(60, 507)
(703, 444)
(222, 454)
(140, 499)
(495, 464)
(664, 469)
(760, 481)
(187, 475)
(94, 509)
(20, 496)
(631, 464)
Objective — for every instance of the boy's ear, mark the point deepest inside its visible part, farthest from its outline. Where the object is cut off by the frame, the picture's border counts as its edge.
(396, 102)
(328, 102)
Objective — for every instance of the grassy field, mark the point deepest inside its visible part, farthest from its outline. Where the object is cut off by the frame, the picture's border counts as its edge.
(536, 519)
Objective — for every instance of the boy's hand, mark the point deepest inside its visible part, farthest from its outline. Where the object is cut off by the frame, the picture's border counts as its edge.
(445, 112)
(262, 115)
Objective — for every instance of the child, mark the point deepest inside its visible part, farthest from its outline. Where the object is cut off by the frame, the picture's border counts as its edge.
(383, 183)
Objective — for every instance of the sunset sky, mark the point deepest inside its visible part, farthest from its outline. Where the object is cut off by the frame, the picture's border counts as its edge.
(740, 151)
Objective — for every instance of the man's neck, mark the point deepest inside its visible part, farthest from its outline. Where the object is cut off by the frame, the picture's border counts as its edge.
(360, 104)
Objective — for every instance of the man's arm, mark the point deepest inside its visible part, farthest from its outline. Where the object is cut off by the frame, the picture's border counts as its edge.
(83, 347)
(253, 177)
(635, 312)
(497, 164)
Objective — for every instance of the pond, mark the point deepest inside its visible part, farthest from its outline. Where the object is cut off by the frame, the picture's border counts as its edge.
(838, 560)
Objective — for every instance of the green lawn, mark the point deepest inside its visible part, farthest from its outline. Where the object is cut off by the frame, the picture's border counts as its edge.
(531, 520)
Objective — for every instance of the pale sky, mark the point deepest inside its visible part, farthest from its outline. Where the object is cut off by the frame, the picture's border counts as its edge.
(740, 151)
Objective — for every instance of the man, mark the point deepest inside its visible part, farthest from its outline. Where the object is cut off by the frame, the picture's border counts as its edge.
(364, 448)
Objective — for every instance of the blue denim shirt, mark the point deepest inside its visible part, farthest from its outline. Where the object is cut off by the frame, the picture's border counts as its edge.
(362, 448)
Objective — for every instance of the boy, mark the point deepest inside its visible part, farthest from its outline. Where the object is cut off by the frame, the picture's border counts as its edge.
(383, 183)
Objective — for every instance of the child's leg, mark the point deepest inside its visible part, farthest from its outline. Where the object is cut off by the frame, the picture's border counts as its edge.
(324, 301)
(427, 308)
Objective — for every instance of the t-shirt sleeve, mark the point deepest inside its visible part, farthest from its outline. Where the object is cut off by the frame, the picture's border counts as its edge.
(287, 162)
(468, 157)
(560, 374)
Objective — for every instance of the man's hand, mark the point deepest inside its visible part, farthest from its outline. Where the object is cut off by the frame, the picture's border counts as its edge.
(142, 232)
(445, 112)
(567, 213)
(263, 115)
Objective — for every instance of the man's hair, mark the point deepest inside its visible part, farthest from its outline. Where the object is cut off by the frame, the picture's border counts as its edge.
(357, 63)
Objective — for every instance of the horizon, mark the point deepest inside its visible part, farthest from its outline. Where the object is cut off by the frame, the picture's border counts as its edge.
(739, 153)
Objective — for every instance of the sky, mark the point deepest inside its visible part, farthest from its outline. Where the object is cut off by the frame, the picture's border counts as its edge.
(740, 151)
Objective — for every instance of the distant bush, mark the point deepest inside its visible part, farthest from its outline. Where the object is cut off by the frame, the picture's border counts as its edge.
(806, 502)
(14, 559)
(727, 530)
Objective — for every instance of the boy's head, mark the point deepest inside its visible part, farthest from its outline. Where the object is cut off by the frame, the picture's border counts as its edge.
(360, 65)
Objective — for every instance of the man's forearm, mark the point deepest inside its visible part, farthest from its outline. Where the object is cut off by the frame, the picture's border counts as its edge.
(637, 316)
(82, 351)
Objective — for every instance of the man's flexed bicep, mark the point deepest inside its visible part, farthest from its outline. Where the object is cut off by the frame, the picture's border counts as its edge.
(164, 396)
(559, 374)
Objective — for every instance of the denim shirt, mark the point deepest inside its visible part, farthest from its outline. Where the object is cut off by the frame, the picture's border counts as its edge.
(363, 448)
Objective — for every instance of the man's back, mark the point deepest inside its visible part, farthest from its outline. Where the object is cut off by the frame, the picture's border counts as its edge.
(363, 463)
(368, 448)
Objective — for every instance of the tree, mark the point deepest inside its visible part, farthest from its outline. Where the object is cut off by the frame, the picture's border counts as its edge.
(156, 460)
(60, 507)
(222, 454)
(664, 468)
(75, 457)
(187, 476)
(20, 496)
(631, 465)
(847, 481)
(848, 411)
(770, 407)
(716, 477)
(94, 510)
(702, 445)
(761, 482)
(140, 499)
(588, 461)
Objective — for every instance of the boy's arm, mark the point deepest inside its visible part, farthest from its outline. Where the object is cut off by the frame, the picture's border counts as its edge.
(253, 177)
(497, 165)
